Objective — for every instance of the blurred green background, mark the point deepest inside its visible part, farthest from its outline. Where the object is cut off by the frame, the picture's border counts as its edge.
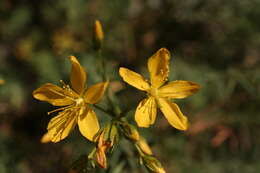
(215, 43)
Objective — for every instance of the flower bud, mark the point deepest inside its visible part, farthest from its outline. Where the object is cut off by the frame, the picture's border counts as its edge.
(110, 135)
(101, 158)
(101, 149)
(130, 131)
(98, 35)
(152, 164)
(2, 81)
(143, 146)
(105, 141)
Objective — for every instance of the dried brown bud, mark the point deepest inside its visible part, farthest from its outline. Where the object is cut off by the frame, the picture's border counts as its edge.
(105, 141)
(101, 158)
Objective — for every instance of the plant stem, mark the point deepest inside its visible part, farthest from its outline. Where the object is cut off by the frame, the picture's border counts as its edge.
(104, 110)
(103, 66)
(116, 109)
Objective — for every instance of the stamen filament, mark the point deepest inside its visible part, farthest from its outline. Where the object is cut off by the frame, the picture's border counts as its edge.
(59, 109)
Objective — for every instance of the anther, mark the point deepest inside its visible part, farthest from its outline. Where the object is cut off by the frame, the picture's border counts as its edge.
(63, 84)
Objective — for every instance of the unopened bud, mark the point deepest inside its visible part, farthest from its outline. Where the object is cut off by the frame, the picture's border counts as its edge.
(152, 164)
(113, 135)
(110, 135)
(101, 149)
(130, 132)
(143, 146)
(101, 158)
(2, 81)
(98, 35)
(106, 139)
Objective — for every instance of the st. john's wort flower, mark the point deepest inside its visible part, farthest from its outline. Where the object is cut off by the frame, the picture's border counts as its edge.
(158, 92)
(75, 101)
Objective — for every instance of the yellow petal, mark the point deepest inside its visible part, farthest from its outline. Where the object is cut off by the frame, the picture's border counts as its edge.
(158, 66)
(88, 124)
(46, 138)
(60, 126)
(95, 92)
(77, 76)
(173, 114)
(55, 95)
(145, 113)
(134, 79)
(56, 121)
(178, 89)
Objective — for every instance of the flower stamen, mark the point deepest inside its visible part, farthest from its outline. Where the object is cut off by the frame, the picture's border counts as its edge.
(63, 108)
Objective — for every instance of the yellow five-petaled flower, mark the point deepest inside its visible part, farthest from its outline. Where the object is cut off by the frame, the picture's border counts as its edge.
(75, 102)
(158, 93)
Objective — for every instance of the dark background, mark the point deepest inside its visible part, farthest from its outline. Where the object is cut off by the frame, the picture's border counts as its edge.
(214, 43)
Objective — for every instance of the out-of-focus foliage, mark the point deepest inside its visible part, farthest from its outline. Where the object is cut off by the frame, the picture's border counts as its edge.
(215, 43)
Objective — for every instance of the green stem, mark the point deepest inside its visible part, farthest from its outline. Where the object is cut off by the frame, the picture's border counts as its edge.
(116, 109)
(103, 66)
(91, 155)
(104, 110)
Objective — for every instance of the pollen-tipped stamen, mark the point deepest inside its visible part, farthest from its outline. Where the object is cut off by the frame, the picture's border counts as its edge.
(66, 87)
(60, 109)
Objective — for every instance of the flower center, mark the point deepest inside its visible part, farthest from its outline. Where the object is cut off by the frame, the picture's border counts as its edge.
(153, 92)
(79, 101)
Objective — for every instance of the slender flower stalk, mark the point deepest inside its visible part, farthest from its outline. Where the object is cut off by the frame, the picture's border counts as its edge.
(75, 103)
(159, 93)
(98, 39)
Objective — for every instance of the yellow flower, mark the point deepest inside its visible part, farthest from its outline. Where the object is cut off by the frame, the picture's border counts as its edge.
(75, 102)
(158, 92)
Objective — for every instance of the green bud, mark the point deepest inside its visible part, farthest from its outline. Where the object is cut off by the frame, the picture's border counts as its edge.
(106, 138)
(113, 134)
(143, 147)
(130, 131)
(152, 164)
(110, 134)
